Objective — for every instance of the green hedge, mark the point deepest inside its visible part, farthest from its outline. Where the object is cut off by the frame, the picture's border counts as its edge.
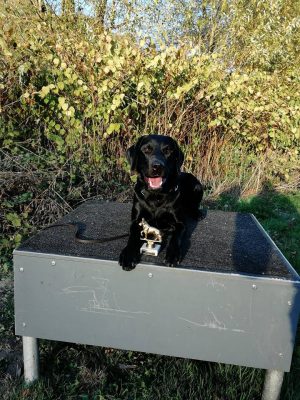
(80, 95)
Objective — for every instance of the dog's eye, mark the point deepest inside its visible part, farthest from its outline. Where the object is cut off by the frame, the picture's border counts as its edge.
(167, 151)
(147, 149)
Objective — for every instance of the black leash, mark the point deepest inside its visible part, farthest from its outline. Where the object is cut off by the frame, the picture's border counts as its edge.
(87, 240)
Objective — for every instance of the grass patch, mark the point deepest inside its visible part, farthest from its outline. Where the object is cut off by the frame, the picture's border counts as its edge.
(83, 372)
(278, 213)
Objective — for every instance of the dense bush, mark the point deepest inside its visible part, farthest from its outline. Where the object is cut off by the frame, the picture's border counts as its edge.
(81, 95)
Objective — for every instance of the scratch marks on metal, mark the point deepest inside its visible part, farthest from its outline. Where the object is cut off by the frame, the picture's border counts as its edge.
(102, 299)
(212, 323)
(215, 284)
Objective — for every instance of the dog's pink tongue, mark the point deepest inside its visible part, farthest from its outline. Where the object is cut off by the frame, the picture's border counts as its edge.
(155, 183)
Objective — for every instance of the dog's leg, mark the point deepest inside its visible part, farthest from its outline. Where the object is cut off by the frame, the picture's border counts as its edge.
(174, 247)
(130, 255)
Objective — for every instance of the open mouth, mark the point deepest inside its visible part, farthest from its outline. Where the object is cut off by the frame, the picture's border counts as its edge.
(155, 183)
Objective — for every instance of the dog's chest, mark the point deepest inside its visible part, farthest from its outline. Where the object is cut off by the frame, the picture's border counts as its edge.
(160, 203)
(160, 212)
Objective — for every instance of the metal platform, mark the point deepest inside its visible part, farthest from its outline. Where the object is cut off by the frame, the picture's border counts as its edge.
(233, 299)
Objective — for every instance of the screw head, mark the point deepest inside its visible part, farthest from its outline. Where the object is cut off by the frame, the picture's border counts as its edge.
(21, 269)
(53, 262)
(150, 275)
(24, 324)
(254, 287)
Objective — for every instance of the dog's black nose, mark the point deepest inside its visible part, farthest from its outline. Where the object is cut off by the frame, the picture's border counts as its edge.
(157, 169)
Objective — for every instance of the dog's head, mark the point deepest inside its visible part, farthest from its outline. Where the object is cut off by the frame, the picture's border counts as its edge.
(156, 159)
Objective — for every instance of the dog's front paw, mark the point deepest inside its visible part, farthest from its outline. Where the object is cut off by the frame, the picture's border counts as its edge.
(128, 259)
(173, 256)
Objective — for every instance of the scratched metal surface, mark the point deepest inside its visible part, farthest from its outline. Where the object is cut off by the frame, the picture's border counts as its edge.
(179, 312)
(223, 241)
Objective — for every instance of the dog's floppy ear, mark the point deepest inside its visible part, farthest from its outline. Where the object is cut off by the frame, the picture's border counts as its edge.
(179, 156)
(132, 154)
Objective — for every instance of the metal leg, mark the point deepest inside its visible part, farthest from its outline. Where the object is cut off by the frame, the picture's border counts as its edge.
(272, 386)
(31, 359)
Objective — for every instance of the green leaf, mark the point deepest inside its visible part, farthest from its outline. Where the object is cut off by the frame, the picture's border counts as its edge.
(44, 91)
(61, 100)
(14, 219)
(57, 139)
(113, 128)
(18, 238)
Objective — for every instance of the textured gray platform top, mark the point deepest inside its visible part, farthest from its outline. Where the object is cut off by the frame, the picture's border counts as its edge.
(223, 241)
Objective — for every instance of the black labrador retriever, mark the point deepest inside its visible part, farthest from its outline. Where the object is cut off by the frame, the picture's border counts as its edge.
(163, 196)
